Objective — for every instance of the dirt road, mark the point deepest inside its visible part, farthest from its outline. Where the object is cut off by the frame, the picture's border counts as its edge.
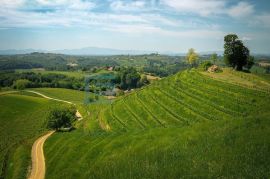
(78, 114)
(38, 160)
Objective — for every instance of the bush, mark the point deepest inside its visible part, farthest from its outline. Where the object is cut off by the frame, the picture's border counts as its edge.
(61, 117)
(205, 65)
(21, 84)
(93, 98)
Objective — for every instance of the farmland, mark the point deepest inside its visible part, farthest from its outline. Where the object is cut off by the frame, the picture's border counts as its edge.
(189, 124)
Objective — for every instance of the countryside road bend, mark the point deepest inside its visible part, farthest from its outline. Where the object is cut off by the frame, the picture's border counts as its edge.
(38, 160)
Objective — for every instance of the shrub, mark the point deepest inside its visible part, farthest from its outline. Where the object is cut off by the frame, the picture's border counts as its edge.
(21, 84)
(205, 65)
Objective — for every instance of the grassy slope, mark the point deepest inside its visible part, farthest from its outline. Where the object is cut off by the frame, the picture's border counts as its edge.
(73, 96)
(75, 74)
(22, 120)
(187, 125)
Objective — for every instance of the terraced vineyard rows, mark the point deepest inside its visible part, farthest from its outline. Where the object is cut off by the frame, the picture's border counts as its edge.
(187, 125)
(183, 99)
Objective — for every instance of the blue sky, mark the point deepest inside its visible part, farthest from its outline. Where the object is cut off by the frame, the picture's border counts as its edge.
(156, 25)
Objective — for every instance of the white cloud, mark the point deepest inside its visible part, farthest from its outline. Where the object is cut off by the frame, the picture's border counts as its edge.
(263, 20)
(127, 6)
(246, 38)
(242, 9)
(201, 7)
(11, 3)
(144, 29)
(67, 4)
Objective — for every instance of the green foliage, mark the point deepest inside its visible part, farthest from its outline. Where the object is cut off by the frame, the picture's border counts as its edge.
(92, 64)
(61, 117)
(205, 65)
(143, 81)
(250, 62)
(120, 93)
(192, 57)
(129, 78)
(93, 98)
(214, 58)
(36, 80)
(21, 84)
(235, 53)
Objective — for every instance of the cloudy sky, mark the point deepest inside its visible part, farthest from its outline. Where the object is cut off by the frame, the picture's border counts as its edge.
(156, 25)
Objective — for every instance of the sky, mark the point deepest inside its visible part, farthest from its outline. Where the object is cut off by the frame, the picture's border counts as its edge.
(154, 25)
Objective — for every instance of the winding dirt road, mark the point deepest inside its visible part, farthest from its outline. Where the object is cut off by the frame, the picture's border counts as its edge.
(38, 160)
(78, 114)
(38, 168)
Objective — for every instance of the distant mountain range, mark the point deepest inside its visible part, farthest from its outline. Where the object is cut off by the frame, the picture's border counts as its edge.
(100, 51)
(81, 51)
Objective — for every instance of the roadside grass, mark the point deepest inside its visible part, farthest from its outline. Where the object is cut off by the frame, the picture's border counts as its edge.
(74, 96)
(23, 119)
(188, 125)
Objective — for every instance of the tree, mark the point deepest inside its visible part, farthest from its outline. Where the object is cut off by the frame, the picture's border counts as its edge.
(250, 62)
(21, 84)
(192, 57)
(129, 78)
(214, 58)
(235, 53)
(61, 116)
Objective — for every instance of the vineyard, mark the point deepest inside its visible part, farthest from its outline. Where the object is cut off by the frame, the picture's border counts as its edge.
(181, 100)
(187, 125)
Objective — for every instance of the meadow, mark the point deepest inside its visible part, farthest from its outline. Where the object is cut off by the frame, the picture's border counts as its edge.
(189, 125)
(23, 119)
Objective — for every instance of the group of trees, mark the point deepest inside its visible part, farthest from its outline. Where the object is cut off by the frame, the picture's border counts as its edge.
(37, 80)
(129, 78)
(61, 117)
(236, 54)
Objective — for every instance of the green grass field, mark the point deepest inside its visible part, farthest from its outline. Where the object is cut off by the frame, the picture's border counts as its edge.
(74, 96)
(75, 74)
(23, 119)
(188, 125)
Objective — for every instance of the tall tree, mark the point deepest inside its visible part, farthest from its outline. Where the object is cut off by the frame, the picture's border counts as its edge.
(192, 57)
(235, 53)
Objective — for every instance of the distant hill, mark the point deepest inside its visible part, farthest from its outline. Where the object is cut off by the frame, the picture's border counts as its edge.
(79, 51)
(100, 51)
(96, 51)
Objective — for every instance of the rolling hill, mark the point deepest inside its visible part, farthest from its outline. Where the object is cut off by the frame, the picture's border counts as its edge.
(23, 119)
(188, 125)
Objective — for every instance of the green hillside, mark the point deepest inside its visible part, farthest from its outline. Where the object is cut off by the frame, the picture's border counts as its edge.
(188, 125)
(22, 119)
(73, 96)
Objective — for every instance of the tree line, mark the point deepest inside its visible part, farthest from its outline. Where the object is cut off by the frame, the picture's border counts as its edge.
(236, 55)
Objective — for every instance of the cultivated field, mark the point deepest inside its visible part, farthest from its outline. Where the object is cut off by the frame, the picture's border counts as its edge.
(188, 125)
